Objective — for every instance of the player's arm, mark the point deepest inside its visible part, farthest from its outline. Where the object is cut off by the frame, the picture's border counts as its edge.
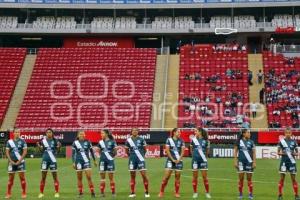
(235, 154)
(127, 148)
(279, 151)
(93, 154)
(208, 149)
(169, 154)
(254, 156)
(8, 156)
(58, 146)
(191, 149)
(296, 152)
(114, 151)
(182, 152)
(73, 155)
(145, 147)
(39, 146)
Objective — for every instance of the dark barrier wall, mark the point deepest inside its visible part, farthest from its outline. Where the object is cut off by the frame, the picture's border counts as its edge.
(4, 135)
(151, 137)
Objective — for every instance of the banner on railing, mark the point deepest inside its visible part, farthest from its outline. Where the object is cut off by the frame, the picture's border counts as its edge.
(272, 137)
(99, 42)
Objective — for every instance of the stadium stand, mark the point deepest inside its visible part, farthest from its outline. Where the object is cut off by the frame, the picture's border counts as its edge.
(81, 97)
(282, 82)
(102, 23)
(162, 23)
(210, 76)
(125, 23)
(282, 21)
(55, 23)
(11, 60)
(8, 22)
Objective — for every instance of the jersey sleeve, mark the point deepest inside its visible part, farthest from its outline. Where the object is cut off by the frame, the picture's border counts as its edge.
(168, 142)
(24, 145)
(99, 146)
(208, 144)
(279, 145)
(127, 144)
(7, 145)
(114, 144)
(253, 145)
(182, 143)
(144, 142)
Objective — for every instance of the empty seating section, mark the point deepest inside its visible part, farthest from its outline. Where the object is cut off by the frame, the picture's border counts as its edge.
(184, 22)
(125, 23)
(11, 61)
(213, 87)
(90, 88)
(102, 23)
(51, 22)
(220, 22)
(282, 21)
(159, 22)
(8, 22)
(162, 23)
(282, 84)
(244, 21)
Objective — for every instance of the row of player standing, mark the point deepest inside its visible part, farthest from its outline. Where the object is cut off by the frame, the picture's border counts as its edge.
(82, 154)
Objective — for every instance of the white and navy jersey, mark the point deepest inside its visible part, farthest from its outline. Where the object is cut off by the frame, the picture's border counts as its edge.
(16, 148)
(81, 151)
(200, 147)
(288, 147)
(245, 150)
(175, 147)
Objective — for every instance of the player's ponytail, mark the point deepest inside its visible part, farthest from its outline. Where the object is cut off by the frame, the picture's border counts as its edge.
(173, 132)
(109, 134)
(203, 133)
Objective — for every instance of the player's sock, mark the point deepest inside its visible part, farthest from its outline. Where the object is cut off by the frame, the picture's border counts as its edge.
(241, 185)
(250, 186)
(280, 187)
(56, 186)
(23, 185)
(146, 185)
(113, 187)
(10, 185)
(102, 186)
(206, 185)
(177, 186)
(80, 187)
(195, 185)
(42, 186)
(91, 186)
(132, 186)
(163, 185)
(295, 187)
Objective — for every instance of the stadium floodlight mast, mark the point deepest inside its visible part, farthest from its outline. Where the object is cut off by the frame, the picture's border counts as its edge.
(225, 31)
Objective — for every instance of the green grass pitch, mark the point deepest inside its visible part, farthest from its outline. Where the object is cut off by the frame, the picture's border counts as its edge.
(222, 176)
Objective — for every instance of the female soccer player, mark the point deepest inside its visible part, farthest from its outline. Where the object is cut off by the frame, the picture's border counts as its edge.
(136, 150)
(16, 150)
(245, 161)
(81, 150)
(287, 149)
(107, 148)
(49, 146)
(200, 151)
(175, 151)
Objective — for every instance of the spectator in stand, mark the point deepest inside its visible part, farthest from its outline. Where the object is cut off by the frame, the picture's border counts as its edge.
(197, 76)
(260, 76)
(253, 109)
(246, 125)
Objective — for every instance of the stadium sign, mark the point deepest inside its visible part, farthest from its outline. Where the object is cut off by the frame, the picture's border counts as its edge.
(4, 135)
(285, 30)
(268, 152)
(217, 152)
(272, 137)
(91, 42)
